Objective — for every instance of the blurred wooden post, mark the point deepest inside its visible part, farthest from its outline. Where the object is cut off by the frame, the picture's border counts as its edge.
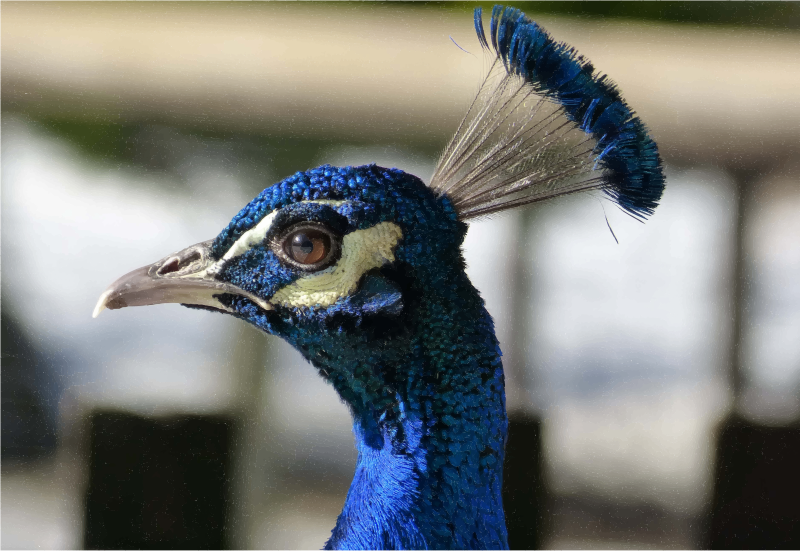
(187, 480)
(249, 362)
(157, 482)
(756, 475)
(524, 493)
(744, 183)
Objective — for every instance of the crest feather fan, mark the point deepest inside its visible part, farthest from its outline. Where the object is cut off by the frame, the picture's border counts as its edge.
(545, 124)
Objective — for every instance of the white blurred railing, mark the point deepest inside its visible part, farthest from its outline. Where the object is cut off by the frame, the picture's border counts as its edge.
(710, 94)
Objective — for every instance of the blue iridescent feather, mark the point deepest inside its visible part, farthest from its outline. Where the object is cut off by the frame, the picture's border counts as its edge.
(413, 354)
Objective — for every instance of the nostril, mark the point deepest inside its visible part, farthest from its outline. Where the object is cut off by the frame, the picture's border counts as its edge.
(194, 257)
(176, 263)
(171, 265)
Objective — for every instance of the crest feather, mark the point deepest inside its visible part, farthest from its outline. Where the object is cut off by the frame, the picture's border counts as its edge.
(545, 124)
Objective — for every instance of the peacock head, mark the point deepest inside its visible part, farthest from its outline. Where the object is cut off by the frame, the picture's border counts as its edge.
(331, 259)
(336, 261)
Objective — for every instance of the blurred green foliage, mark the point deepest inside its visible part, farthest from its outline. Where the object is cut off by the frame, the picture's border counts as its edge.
(155, 147)
(137, 145)
(98, 140)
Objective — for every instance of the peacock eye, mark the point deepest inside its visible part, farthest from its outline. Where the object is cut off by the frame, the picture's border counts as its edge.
(310, 247)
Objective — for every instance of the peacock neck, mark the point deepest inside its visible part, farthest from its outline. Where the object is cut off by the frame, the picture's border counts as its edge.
(430, 427)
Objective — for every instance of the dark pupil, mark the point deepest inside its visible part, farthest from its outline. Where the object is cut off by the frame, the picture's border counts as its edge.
(309, 246)
(302, 244)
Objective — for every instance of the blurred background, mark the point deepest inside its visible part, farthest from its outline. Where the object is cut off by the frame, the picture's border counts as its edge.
(654, 383)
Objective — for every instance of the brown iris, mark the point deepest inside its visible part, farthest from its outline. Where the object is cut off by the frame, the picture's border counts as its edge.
(307, 246)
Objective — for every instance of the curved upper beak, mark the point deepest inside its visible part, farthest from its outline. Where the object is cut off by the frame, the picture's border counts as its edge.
(185, 277)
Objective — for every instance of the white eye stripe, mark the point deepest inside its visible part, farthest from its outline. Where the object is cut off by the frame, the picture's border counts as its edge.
(257, 233)
(251, 237)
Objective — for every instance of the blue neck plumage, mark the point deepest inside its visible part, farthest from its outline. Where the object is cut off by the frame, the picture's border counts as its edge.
(430, 424)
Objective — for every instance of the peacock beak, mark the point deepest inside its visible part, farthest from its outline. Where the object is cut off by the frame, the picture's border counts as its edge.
(185, 277)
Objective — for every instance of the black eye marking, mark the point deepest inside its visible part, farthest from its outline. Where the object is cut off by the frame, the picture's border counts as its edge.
(309, 246)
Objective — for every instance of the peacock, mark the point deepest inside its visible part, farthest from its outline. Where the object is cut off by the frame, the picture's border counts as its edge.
(360, 269)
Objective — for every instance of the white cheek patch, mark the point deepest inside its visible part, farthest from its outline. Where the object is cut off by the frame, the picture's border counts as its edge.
(362, 251)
